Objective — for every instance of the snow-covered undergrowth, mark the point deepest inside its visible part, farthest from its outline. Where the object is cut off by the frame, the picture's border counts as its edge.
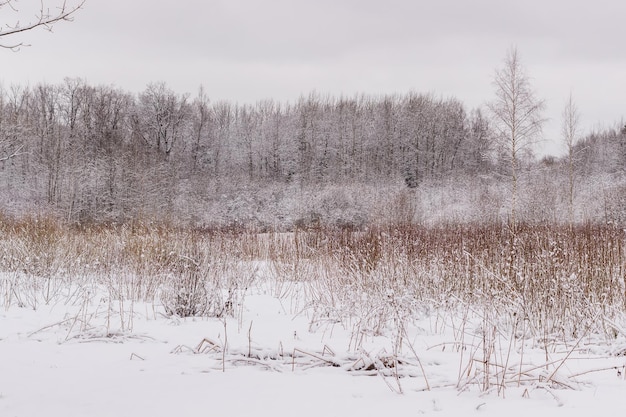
(455, 319)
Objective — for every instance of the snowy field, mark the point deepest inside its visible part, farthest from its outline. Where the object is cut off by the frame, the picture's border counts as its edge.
(84, 353)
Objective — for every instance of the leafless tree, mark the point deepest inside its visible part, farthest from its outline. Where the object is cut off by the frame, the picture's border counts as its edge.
(45, 18)
(569, 129)
(200, 120)
(248, 124)
(11, 126)
(517, 115)
(162, 117)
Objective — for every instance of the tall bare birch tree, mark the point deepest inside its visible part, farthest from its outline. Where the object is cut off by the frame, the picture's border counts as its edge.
(517, 115)
(569, 130)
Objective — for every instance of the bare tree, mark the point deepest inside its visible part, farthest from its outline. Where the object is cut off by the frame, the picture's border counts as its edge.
(517, 115)
(12, 128)
(200, 120)
(162, 117)
(569, 129)
(248, 126)
(45, 18)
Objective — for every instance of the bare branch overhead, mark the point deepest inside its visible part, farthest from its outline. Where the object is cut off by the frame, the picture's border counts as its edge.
(45, 19)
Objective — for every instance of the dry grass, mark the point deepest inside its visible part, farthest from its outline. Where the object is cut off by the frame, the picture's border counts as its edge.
(544, 286)
(551, 275)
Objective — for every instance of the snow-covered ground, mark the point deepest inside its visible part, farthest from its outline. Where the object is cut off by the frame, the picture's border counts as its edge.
(276, 358)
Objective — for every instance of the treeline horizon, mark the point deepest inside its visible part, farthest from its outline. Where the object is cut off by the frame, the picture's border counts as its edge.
(99, 154)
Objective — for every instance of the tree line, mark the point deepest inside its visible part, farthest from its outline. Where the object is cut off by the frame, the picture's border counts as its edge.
(98, 153)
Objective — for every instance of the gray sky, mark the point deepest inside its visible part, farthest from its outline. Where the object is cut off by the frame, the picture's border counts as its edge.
(247, 50)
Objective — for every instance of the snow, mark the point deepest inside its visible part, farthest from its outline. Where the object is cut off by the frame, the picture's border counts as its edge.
(100, 358)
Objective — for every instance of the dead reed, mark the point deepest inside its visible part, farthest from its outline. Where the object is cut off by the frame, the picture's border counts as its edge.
(554, 279)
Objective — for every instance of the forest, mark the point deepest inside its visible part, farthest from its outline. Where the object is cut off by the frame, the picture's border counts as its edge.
(98, 154)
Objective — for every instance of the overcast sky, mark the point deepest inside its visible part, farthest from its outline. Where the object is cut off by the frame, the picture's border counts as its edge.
(247, 50)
